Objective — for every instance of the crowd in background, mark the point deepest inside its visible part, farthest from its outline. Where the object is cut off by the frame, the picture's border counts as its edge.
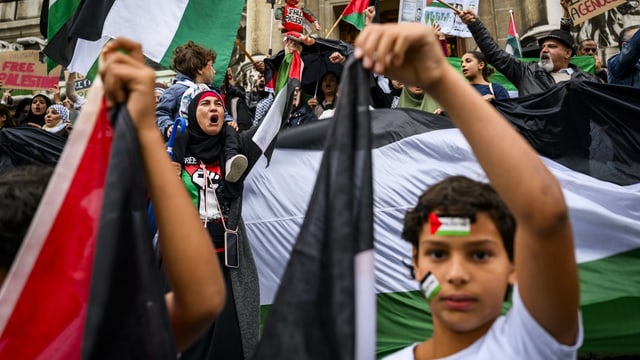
(212, 147)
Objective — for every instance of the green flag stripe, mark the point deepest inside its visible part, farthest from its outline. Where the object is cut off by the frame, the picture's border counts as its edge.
(355, 19)
(59, 13)
(610, 294)
(216, 30)
(586, 63)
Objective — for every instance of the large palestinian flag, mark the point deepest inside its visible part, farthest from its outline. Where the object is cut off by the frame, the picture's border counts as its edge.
(595, 154)
(325, 306)
(84, 283)
(78, 29)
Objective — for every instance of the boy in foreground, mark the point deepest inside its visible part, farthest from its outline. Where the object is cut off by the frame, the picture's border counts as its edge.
(462, 234)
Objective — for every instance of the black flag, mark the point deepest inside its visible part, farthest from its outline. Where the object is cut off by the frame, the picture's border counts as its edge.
(314, 315)
(127, 316)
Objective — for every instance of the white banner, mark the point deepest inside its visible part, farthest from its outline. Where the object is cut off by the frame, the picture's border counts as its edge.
(436, 13)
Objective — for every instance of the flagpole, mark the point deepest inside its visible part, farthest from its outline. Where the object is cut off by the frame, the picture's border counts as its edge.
(457, 11)
(516, 31)
(244, 51)
(272, 2)
(334, 26)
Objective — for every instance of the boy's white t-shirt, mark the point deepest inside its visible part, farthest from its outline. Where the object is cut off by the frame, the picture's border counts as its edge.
(515, 335)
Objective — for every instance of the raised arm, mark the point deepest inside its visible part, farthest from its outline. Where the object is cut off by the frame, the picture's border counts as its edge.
(497, 57)
(546, 269)
(620, 66)
(189, 257)
(565, 20)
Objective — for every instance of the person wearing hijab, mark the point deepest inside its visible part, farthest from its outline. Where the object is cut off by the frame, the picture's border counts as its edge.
(200, 157)
(35, 118)
(414, 97)
(56, 120)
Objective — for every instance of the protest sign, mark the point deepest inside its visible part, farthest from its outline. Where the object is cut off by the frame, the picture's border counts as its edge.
(581, 10)
(24, 70)
(434, 12)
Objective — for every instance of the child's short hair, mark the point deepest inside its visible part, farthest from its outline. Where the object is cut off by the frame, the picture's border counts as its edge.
(461, 196)
(191, 57)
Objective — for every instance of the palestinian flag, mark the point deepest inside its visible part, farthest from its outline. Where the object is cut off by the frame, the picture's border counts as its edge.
(595, 156)
(513, 39)
(43, 305)
(354, 13)
(586, 63)
(84, 283)
(325, 306)
(160, 25)
(280, 110)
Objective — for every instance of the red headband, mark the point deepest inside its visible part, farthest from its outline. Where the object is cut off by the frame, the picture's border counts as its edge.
(211, 93)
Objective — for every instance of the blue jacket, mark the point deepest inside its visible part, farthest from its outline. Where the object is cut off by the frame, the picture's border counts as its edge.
(624, 68)
(168, 108)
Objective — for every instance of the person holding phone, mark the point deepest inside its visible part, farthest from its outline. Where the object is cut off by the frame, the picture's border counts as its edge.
(199, 160)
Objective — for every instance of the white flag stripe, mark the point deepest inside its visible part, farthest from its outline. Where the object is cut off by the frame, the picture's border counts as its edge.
(365, 305)
(607, 214)
(271, 123)
(85, 54)
(152, 23)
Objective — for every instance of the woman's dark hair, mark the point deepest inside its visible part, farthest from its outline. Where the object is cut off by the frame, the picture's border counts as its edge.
(461, 196)
(8, 116)
(320, 94)
(487, 70)
(18, 115)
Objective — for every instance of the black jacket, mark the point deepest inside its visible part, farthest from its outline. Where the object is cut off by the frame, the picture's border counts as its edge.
(529, 78)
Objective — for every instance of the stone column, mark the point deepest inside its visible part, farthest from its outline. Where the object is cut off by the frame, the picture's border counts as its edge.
(258, 28)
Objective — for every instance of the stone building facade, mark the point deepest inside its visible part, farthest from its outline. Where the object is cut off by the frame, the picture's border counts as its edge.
(20, 25)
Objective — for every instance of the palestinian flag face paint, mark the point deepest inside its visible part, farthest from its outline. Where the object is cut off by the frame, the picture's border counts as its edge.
(430, 286)
(449, 226)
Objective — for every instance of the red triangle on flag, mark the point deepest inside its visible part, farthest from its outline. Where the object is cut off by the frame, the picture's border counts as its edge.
(434, 223)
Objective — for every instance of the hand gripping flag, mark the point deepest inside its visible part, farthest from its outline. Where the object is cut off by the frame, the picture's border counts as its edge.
(84, 283)
(325, 305)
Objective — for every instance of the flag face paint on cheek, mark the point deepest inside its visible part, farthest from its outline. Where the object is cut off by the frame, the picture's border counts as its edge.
(449, 226)
(430, 286)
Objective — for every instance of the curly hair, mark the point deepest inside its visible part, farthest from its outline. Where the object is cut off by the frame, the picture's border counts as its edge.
(191, 57)
(461, 196)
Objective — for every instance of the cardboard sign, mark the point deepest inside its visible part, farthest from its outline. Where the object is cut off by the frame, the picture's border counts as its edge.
(581, 10)
(23, 70)
(81, 84)
(433, 12)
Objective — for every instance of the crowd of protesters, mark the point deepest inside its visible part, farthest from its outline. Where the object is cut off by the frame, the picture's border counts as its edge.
(212, 157)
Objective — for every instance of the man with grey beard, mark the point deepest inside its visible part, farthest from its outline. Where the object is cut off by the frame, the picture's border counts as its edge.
(556, 49)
